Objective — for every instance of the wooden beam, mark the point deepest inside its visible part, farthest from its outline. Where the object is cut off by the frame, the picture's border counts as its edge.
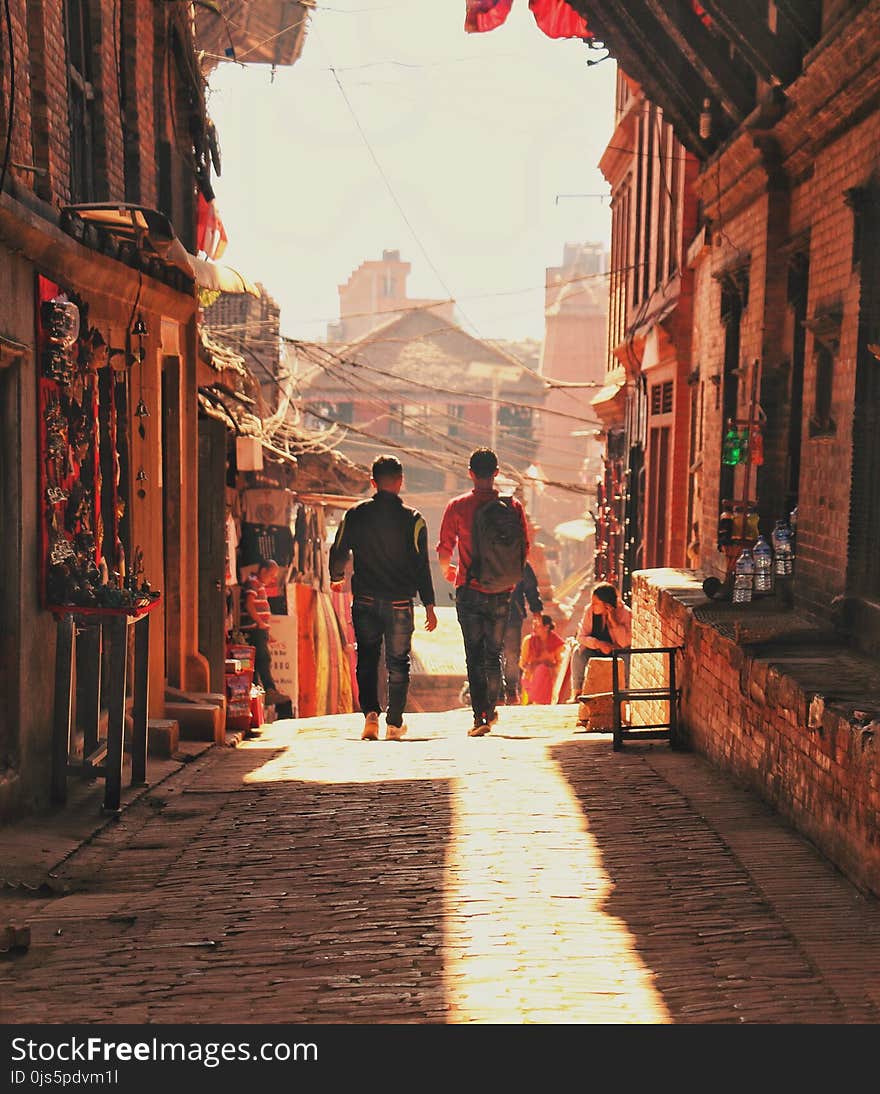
(744, 24)
(644, 61)
(706, 55)
(805, 19)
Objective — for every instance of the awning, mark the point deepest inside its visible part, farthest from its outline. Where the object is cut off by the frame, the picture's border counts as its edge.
(211, 275)
(151, 232)
(578, 530)
(615, 383)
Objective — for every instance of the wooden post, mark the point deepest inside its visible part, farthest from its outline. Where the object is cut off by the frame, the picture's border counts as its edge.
(673, 703)
(141, 691)
(89, 663)
(118, 626)
(65, 651)
(615, 692)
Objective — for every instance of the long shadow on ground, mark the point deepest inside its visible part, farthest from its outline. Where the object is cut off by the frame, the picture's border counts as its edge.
(717, 950)
(228, 901)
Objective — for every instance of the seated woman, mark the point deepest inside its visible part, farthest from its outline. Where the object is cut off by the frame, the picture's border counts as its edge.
(539, 660)
(606, 625)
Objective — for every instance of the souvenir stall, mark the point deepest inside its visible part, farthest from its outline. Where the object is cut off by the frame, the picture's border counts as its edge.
(91, 578)
(276, 504)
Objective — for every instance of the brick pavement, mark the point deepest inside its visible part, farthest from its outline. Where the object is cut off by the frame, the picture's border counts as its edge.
(529, 876)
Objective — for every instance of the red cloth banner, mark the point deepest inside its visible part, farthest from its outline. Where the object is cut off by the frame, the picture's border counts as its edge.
(556, 18)
(485, 15)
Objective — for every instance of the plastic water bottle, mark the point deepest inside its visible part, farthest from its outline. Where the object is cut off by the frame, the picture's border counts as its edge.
(783, 549)
(744, 578)
(763, 566)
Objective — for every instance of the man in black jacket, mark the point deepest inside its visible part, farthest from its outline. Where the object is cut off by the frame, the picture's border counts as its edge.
(526, 592)
(390, 546)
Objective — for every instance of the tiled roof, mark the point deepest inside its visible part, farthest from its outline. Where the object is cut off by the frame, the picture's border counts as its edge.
(428, 349)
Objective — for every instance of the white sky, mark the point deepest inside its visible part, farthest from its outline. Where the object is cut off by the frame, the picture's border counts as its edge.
(477, 135)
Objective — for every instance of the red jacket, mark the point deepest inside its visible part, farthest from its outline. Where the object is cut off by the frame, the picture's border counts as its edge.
(455, 530)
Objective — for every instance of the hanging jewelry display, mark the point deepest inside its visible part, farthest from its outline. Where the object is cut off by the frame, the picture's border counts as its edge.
(60, 321)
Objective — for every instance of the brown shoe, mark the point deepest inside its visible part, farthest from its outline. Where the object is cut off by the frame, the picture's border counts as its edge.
(479, 729)
(371, 727)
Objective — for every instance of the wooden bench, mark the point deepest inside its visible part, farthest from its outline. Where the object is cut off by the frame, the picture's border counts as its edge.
(623, 729)
(669, 694)
(101, 757)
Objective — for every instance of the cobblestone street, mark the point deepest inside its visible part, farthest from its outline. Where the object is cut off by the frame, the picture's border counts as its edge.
(529, 876)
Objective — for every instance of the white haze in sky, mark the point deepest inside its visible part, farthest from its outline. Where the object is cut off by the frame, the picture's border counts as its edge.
(477, 135)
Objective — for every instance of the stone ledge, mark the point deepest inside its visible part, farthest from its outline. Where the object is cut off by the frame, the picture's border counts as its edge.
(795, 715)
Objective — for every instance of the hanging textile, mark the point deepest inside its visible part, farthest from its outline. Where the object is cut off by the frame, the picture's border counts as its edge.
(485, 15)
(231, 575)
(259, 541)
(266, 505)
(556, 18)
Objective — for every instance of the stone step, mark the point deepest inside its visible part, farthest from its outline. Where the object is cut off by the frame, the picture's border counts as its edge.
(163, 736)
(198, 721)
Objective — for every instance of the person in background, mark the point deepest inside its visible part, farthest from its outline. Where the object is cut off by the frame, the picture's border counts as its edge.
(606, 625)
(525, 593)
(540, 658)
(389, 542)
(254, 625)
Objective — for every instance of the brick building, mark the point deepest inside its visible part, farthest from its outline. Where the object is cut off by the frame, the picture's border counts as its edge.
(573, 353)
(376, 291)
(644, 404)
(776, 105)
(106, 160)
(251, 326)
(410, 380)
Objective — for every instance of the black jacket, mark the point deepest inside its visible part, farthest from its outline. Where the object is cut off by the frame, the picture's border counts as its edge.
(390, 545)
(526, 590)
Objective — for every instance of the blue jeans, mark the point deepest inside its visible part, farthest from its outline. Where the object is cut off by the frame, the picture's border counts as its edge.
(376, 621)
(580, 658)
(483, 620)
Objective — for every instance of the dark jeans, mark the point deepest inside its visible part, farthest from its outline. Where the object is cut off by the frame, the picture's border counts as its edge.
(259, 639)
(510, 660)
(376, 621)
(483, 619)
(580, 658)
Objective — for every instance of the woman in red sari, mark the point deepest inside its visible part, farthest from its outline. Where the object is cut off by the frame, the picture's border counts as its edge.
(539, 660)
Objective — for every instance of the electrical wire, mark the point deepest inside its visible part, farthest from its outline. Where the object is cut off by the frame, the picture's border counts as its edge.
(304, 346)
(513, 441)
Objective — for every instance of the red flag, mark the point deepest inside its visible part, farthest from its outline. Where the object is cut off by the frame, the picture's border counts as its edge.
(485, 14)
(558, 19)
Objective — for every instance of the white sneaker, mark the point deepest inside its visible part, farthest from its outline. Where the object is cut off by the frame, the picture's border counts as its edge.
(395, 733)
(371, 727)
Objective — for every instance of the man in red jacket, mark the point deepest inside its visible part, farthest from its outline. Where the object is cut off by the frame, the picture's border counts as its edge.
(482, 612)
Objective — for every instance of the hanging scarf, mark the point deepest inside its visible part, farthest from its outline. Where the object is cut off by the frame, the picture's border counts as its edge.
(556, 18)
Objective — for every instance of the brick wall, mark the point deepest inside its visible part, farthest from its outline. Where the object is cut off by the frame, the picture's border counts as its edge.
(123, 35)
(752, 720)
(759, 205)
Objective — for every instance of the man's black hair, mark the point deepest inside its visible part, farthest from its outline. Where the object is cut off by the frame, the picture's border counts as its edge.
(385, 468)
(483, 463)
